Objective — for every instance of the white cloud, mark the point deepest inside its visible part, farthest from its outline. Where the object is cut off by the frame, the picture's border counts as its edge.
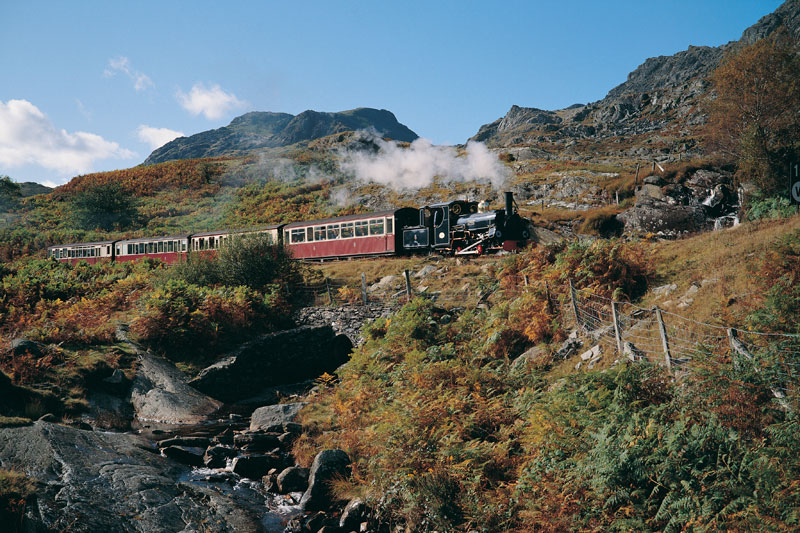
(214, 103)
(122, 64)
(28, 137)
(417, 166)
(157, 137)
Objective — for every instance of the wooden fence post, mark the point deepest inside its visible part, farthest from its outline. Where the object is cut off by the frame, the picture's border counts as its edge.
(664, 341)
(617, 330)
(330, 293)
(574, 304)
(364, 288)
(547, 295)
(408, 285)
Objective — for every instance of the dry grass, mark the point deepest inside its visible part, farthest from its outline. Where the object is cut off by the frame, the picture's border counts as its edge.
(729, 256)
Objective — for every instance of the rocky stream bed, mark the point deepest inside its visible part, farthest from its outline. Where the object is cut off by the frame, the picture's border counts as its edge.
(211, 453)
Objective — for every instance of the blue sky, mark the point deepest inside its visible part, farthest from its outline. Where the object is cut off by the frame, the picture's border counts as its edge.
(96, 85)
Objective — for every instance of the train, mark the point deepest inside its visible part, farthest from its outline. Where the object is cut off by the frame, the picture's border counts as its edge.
(458, 227)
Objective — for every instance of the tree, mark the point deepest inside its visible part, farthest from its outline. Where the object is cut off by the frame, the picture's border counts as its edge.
(107, 206)
(755, 115)
(9, 193)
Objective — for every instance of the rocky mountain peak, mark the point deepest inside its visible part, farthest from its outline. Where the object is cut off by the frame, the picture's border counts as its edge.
(662, 92)
(263, 129)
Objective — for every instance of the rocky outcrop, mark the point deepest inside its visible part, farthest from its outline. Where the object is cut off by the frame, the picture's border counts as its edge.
(161, 393)
(279, 358)
(257, 130)
(92, 481)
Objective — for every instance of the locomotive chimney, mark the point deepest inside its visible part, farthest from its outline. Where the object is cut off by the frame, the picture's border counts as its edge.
(509, 203)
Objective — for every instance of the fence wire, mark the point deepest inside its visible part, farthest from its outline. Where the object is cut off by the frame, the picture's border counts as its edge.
(639, 333)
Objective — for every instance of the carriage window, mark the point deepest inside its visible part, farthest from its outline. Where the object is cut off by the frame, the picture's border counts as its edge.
(361, 228)
(149, 247)
(160, 246)
(183, 246)
(319, 233)
(298, 235)
(62, 253)
(347, 230)
(333, 231)
(389, 222)
(309, 234)
(170, 246)
(376, 227)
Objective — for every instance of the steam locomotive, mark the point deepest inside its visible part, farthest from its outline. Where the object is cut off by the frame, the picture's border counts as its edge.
(458, 227)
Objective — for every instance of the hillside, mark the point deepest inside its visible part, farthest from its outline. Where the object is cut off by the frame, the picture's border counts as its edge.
(660, 99)
(258, 130)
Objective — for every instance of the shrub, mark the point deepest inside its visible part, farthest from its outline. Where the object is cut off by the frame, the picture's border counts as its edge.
(769, 208)
(16, 490)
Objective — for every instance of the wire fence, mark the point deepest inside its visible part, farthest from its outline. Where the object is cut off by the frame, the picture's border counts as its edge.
(623, 328)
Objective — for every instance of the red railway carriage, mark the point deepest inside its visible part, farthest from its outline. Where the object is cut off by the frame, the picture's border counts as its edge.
(349, 236)
(91, 252)
(169, 249)
(211, 241)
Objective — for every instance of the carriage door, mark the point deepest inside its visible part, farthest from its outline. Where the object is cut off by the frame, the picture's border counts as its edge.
(441, 227)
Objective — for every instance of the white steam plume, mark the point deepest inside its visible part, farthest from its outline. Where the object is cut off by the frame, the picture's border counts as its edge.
(417, 165)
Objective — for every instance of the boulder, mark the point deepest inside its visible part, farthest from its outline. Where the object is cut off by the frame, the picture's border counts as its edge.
(101, 481)
(275, 417)
(293, 479)
(184, 454)
(352, 515)
(651, 215)
(279, 358)
(255, 466)
(569, 348)
(217, 456)
(327, 465)
(257, 441)
(19, 347)
(161, 393)
(527, 358)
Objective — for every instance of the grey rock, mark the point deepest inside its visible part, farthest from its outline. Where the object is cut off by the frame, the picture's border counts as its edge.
(352, 515)
(665, 290)
(98, 481)
(195, 442)
(255, 466)
(293, 479)
(528, 357)
(217, 456)
(161, 393)
(257, 441)
(592, 353)
(274, 417)
(184, 454)
(327, 465)
(569, 348)
(19, 347)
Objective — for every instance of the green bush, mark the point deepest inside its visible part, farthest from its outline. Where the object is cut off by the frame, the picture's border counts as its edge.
(770, 208)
